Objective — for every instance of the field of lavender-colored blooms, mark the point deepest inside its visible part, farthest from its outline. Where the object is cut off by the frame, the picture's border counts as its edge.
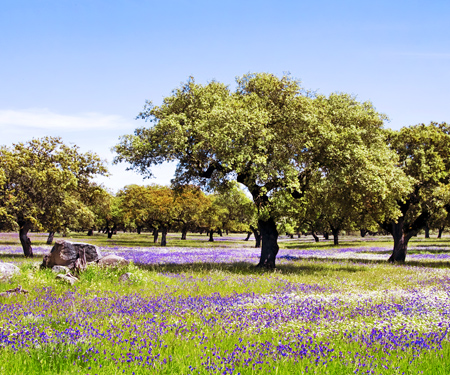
(196, 307)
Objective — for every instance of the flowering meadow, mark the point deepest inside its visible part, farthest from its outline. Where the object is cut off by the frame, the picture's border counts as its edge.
(208, 310)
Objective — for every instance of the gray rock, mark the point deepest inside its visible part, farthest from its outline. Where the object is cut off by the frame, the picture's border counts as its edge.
(61, 269)
(67, 278)
(126, 277)
(66, 253)
(7, 270)
(112, 260)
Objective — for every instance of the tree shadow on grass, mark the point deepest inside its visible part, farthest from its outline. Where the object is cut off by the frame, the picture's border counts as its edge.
(246, 268)
(313, 266)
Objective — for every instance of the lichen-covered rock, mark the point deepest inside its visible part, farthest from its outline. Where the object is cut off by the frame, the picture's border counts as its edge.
(112, 260)
(66, 253)
(7, 270)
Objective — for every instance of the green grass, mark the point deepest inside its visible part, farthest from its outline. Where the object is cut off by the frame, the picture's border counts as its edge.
(181, 345)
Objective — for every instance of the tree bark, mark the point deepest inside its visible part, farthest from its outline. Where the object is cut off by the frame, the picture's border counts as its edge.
(24, 240)
(50, 237)
(211, 236)
(184, 232)
(164, 236)
(400, 242)
(316, 238)
(269, 249)
(155, 235)
(257, 235)
(335, 233)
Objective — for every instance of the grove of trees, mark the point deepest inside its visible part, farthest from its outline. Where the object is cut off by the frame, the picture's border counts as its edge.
(311, 163)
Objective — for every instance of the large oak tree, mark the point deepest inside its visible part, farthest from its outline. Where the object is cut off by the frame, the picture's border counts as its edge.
(269, 134)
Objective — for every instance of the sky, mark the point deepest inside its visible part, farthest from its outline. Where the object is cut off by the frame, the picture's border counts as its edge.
(83, 69)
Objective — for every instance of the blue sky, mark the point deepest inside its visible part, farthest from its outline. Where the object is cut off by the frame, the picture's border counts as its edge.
(83, 69)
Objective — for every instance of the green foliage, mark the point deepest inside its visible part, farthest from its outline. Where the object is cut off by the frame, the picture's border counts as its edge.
(47, 184)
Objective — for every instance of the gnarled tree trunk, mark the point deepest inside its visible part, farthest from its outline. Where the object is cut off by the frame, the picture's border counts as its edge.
(50, 237)
(401, 240)
(24, 240)
(269, 249)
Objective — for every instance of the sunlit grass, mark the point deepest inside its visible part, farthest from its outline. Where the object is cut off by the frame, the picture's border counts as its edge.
(315, 316)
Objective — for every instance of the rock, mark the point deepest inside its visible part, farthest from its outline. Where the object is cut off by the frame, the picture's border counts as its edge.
(66, 253)
(7, 270)
(61, 269)
(67, 278)
(125, 277)
(112, 260)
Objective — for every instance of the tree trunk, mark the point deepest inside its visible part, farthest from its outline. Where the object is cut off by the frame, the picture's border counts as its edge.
(400, 242)
(441, 230)
(299, 235)
(326, 236)
(163, 236)
(427, 232)
(269, 249)
(50, 237)
(155, 235)
(24, 240)
(316, 238)
(211, 236)
(248, 236)
(90, 232)
(138, 229)
(184, 232)
(219, 232)
(257, 236)
(335, 233)
(363, 232)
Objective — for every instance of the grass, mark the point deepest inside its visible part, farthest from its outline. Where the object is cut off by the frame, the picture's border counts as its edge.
(315, 316)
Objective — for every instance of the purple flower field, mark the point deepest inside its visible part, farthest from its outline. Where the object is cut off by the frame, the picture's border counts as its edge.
(315, 317)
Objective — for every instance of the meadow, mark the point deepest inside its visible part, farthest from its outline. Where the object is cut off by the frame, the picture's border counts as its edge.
(196, 307)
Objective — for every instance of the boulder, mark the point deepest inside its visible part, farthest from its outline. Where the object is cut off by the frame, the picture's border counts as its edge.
(7, 270)
(66, 253)
(112, 260)
(67, 278)
(61, 269)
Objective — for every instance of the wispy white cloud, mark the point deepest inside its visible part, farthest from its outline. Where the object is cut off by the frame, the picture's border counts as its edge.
(43, 118)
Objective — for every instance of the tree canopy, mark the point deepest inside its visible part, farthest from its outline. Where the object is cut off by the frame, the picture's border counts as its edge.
(270, 135)
(42, 182)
